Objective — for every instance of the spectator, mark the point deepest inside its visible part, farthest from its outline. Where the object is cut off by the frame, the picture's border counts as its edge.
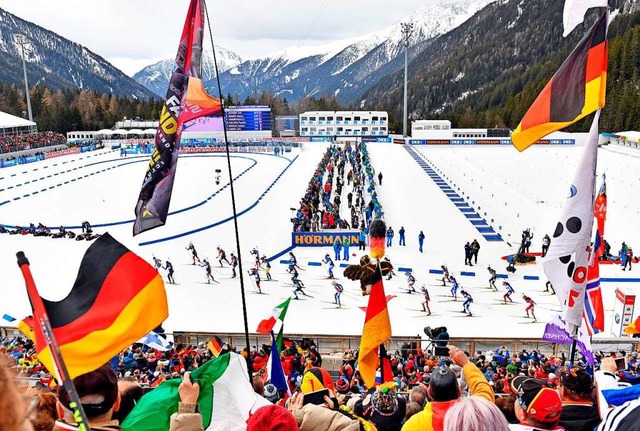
(98, 392)
(538, 407)
(444, 392)
(14, 411)
(420, 240)
(130, 392)
(467, 254)
(475, 414)
(186, 419)
(578, 410)
(475, 248)
(418, 395)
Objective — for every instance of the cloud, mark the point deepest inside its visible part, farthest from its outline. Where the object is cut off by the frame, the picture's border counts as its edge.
(128, 32)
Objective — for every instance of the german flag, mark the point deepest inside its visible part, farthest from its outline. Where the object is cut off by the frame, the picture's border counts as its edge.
(376, 330)
(215, 345)
(117, 298)
(576, 90)
(26, 327)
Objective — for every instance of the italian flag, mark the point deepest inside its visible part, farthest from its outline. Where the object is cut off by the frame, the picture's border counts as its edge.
(226, 400)
(277, 315)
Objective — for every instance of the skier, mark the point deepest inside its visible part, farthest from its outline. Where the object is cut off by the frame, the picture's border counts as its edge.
(339, 289)
(169, 268)
(530, 307)
(420, 240)
(157, 263)
(391, 273)
(256, 255)
(411, 280)
(293, 261)
(298, 286)
(445, 274)
(510, 292)
(454, 287)
(194, 253)
(493, 278)
(234, 263)
(222, 256)
(402, 240)
(207, 267)
(267, 267)
(327, 260)
(292, 270)
(425, 304)
(256, 276)
(467, 302)
(548, 286)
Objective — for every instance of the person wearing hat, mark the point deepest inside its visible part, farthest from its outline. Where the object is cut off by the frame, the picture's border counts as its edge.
(99, 396)
(444, 392)
(537, 406)
(578, 410)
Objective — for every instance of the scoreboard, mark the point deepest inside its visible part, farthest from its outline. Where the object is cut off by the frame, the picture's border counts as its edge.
(251, 118)
(248, 118)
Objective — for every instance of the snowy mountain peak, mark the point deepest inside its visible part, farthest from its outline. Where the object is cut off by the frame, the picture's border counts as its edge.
(346, 67)
(156, 76)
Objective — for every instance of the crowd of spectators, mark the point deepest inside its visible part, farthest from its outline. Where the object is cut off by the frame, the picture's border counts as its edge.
(27, 141)
(321, 206)
(495, 390)
(42, 230)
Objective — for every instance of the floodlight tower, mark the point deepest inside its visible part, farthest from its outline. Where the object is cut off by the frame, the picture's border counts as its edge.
(407, 29)
(22, 41)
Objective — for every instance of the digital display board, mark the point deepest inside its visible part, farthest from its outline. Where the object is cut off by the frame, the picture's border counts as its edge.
(251, 118)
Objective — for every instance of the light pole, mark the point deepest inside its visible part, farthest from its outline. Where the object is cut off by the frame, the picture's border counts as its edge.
(407, 29)
(22, 40)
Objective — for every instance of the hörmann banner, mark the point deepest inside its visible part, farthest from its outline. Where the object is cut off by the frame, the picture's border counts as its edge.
(322, 239)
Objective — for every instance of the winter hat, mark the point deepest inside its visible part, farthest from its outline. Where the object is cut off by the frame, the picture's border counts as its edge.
(342, 385)
(577, 380)
(316, 379)
(443, 385)
(271, 393)
(384, 399)
(539, 401)
(272, 418)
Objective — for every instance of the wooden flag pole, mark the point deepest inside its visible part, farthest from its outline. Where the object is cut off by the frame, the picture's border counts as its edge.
(44, 327)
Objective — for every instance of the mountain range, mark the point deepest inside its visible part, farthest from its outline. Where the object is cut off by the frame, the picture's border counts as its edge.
(346, 73)
(57, 62)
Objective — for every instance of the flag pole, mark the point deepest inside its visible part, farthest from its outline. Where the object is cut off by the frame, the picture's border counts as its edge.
(233, 195)
(45, 328)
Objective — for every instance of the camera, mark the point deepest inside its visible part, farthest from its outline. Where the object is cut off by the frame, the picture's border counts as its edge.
(439, 338)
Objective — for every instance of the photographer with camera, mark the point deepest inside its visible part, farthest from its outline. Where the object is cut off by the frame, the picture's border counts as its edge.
(444, 392)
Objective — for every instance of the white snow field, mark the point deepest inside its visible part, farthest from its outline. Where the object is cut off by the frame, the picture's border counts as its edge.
(511, 191)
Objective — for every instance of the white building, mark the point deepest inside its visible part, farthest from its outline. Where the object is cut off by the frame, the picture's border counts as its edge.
(344, 123)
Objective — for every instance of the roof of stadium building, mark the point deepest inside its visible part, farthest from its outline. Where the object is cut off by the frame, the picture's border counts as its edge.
(8, 120)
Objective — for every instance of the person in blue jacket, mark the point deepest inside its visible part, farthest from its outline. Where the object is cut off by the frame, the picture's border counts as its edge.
(420, 240)
(345, 248)
(390, 236)
(362, 238)
(337, 248)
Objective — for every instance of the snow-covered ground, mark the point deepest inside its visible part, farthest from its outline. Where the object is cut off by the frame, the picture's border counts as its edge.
(515, 190)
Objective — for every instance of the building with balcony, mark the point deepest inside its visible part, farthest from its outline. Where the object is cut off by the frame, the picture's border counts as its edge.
(344, 124)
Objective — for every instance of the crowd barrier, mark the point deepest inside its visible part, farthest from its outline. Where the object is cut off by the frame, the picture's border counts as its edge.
(21, 160)
(486, 142)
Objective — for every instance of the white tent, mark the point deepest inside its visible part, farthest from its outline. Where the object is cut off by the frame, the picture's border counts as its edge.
(135, 132)
(10, 124)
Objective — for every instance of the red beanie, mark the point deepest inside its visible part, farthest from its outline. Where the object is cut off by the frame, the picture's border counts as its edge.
(272, 418)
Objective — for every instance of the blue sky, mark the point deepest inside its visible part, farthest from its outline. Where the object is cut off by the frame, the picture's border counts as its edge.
(133, 34)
